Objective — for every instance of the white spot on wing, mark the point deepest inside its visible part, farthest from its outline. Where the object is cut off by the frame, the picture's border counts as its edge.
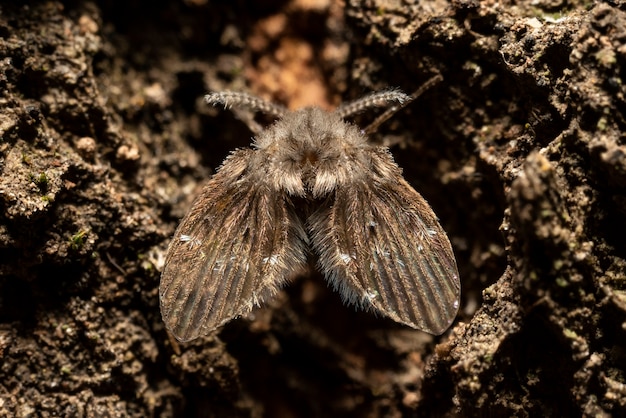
(371, 294)
(271, 260)
(346, 258)
(192, 242)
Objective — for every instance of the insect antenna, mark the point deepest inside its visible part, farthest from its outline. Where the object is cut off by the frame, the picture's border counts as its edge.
(239, 99)
(372, 127)
(383, 98)
(244, 100)
(378, 99)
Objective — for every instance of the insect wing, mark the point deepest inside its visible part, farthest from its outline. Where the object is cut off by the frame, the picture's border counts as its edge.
(239, 243)
(380, 245)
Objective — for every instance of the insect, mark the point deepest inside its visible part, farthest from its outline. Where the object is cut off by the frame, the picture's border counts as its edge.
(311, 183)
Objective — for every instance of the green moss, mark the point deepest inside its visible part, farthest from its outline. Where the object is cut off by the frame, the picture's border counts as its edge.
(26, 159)
(41, 180)
(78, 240)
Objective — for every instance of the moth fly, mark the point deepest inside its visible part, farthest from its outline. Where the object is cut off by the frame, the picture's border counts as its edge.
(310, 183)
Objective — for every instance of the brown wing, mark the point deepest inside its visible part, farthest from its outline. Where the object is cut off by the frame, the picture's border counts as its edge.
(238, 244)
(380, 245)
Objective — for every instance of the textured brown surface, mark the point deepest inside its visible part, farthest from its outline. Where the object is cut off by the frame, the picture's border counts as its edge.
(520, 151)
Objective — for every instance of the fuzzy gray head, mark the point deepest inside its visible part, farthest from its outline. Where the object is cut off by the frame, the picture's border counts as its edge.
(309, 152)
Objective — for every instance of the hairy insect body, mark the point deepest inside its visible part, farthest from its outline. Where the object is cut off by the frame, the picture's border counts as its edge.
(378, 242)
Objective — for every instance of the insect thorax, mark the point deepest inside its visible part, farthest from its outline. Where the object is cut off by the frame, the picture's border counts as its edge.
(310, 152)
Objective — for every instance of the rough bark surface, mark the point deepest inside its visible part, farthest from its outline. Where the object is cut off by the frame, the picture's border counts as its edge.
(521, 151)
